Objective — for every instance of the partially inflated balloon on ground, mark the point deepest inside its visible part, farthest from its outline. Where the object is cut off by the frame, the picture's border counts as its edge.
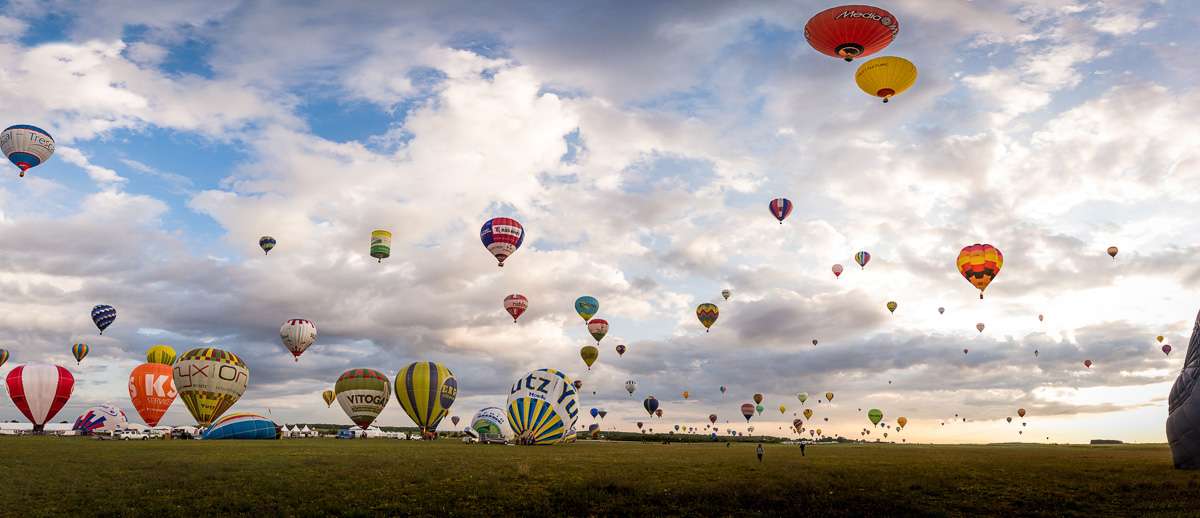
(152, 391)
(426, 390)
(362, 394)
(210, 381)
(242, 426)
(100, 418)
(542, 407)
(492, 420)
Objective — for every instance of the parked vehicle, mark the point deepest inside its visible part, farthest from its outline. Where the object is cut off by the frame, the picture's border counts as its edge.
(491, 438)
(133, 435)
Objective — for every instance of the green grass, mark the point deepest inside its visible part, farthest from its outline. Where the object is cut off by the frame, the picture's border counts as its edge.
(381, 477)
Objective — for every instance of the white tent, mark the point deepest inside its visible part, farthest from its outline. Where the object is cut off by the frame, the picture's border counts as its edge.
(306, 432)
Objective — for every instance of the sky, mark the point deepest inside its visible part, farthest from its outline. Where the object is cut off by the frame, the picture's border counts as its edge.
(639, 144)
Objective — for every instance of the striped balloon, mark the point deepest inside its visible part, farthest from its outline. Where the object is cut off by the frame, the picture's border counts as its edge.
(103, 316)
(39, 390)
(3, 356)
(297, 334)
(707, 313)
(243, 426)
(210, 381)
(780, 208)
(362, 394)
(979, 264)
(542, 407)
(161, 354)
(79, 351)
(426, 390)
(515, 305)
(267, 243)
(862, 258)
(26, 146)
(330, 395)
(502, 237)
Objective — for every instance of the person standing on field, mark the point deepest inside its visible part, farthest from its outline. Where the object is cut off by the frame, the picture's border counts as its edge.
(801, 449)
(759, 451)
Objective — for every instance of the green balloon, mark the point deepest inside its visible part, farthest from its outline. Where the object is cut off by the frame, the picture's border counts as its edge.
(875, 415)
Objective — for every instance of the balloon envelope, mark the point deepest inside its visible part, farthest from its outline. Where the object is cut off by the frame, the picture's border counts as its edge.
(328, 396)
(747, 411)
(502, 237)
(862, 258)
(267, 243)
(589, 353)
(979, 264)
(886, 77)
(1166, 349)
(100, 418)
(587, 307)
(829, 396)
(363, 394)
(902, 421)
(79, 351)
(426, 390)
(3, 356)
(1021, 412)
(758, 398)
(515, 305)
(808, 413)
(892, 306)
(598, 328)
(39, 390)
(492, 420)
(297, 334)
(875, 415)
(631, 386)
(152, 391)
(210, 381)
(803, 396)
(542, 407)
(381, 244)
(851, 31)
(26, 146)
(620, 350)
(837, 270)
(242, 426)
(650, 404)
(103, 316)
(161, 354)
(726, 294)
(1112, 251)
(780, 208)
(707, 313)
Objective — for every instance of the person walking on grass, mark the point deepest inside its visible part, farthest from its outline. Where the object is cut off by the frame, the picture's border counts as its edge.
(759, 451)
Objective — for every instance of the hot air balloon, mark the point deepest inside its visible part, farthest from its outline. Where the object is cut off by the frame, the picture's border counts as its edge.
(426, 390)
(595, 412)
(598, 328)
(875, 415)
(829, 396)
(4, 358)
(965, 351)
(79, 351)
(941, 311)
(1021, 412)
(725, 293)
(620, 350)
(1040, 318)
(658, 412)
(747, 411)
(578, 385)
(797, 424)
(979, 264)
(1009, 419)
(363, 394)
(589, 353)
(712, 418)
(267, 243)
(979, 326)
(161, 354)
(329, 396)
(803, 396)
(676, 427)
(862, 258)
(707, 313)
(502, 237)
(242, 426)
(759, 409)
(100, 418)
(851, 31)
(381, 245)
(758, 398)
(639, 425)
(1166, 349)
(886, 77)
(152, 391)
(1112, 251)
(297, 334)
(492, 420)
(39, 390)
(103, 315)
(587, 307)
(515, 305)
(722, 389)
(901, 421)
(209, 382)
(651, 405)
(602, 413)
(631, 386)
(1087, 363)
(26, 146)
(1160, 339)
(686, 394)
(594, 429)
(808, 413)
(782, 409)
(837, 271)
(454, 420)
(780, 208)
(892, 307)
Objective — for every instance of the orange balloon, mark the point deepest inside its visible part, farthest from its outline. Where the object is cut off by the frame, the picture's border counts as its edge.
(152, 390)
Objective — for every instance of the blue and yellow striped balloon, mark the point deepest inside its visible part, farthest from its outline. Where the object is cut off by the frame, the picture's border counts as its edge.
(426, 390)
(862, 258)
(79, 350)
(534, 421)
(267, 243)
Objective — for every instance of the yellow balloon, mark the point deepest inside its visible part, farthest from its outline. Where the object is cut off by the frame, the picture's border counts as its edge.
(886, 76)
(808, 414)
(589, 353)
(902, 421)
(686, 394)
(161, 354)
(782, 409)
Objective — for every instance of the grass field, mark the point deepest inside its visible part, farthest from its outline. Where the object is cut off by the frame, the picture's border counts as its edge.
(381, 477)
